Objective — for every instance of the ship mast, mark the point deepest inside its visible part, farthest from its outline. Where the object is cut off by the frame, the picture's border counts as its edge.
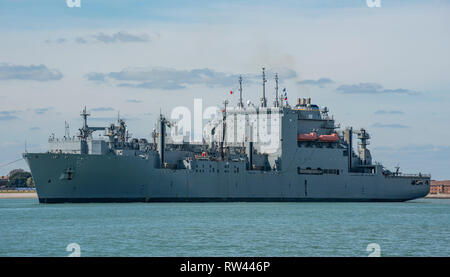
(240, 104)
(276, 103)
(162, 139)
(66, 130)
(84, 114)
(263, 99)
(85, 130)
(224, 126)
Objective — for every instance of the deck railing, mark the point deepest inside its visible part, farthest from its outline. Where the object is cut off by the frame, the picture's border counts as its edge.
(420, 175)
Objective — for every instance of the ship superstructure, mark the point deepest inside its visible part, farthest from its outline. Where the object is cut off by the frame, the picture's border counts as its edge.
(248, 153)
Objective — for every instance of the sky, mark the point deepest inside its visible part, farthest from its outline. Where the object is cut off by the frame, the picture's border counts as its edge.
(385, 69)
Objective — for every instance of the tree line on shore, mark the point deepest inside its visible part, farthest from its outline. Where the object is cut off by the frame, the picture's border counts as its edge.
(18, 178)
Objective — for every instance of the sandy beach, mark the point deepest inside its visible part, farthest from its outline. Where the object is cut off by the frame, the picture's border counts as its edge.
(439, 196)
(4, 195)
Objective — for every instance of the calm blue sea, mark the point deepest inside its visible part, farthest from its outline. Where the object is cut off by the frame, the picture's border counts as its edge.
(414, 228)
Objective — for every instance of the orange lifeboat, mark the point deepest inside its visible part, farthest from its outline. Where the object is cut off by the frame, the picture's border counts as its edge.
(329, 138)
(307, 137)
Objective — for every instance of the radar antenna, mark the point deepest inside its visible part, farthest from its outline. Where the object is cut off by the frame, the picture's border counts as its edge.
(364, 137)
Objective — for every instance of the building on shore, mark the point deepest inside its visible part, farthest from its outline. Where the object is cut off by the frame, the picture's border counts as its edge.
(440, 187)
(4, 180)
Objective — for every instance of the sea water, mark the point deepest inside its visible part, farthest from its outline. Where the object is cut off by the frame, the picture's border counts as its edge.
(414, 228)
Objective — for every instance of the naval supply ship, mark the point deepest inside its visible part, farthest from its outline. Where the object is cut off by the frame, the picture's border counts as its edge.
(248, 153)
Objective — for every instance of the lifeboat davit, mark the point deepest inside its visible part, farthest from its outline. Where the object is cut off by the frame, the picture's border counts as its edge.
(329, 138)
(307, 137)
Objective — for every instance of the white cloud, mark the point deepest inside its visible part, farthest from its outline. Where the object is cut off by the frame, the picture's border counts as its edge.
(373, 88)
(121, 36)
(32, 72)
(390, 125)
(8, 115)
(321, 82)
(174, 79)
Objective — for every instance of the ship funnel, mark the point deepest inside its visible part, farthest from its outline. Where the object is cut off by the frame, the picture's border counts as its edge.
(303, 101)
(299, 101)
(308, 101)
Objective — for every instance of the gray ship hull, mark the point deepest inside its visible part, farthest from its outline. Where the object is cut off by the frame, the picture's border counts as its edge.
(77, 178)
(247, 153)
